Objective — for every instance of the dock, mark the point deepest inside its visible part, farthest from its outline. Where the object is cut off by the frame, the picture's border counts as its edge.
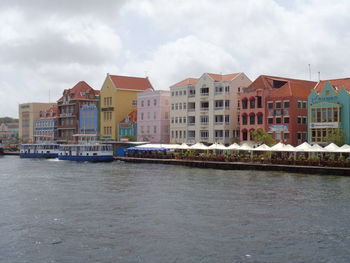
(320, 170)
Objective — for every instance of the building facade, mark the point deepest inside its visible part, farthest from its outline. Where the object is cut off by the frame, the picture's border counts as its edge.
(206, 109)
(89, 120)
(127, 128)
(118, 98)
(28, 114)
(329, 111)
(69, 109)
(153, 116)
(46, 126)
(278, 106)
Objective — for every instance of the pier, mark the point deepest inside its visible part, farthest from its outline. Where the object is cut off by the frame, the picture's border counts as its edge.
(342, 171)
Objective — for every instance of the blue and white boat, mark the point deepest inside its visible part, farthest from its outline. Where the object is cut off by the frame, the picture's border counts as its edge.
(86, 152)
(39, 150)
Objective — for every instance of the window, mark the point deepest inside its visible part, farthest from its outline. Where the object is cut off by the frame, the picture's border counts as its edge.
(227, 104)
(184, 105)
(204, 91)
(244, 119)
(204, 105)
(259, 101)
(252, 119)
(204, 119)
(176, 93)
(304, 104)
(299, 120)
(142, 103)
(304, 120)
(270, 120)
(148, 103)
(134, 103)
(142, 115)
(176, 106)
(260, 119)
(219, 134)
(278, 104)
(252, 103)
(180, 93)
(184, 119)
(176, 119)
(299, 104)
(270, 105)
(218, 90)
(286, 120)
(172, 95)
(184, 94)
(154, 115)
(172, 119)
(227, 119)
(278, 120)
(219, 119)
(227, 133)
(244, 103)
(154, 102)
(286, 136)
(227, 89)
(204, 134)
(219, 104)
(286, 104)
(154, 129)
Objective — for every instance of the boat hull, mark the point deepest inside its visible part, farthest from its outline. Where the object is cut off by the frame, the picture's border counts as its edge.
(38, 155)
(96, 158)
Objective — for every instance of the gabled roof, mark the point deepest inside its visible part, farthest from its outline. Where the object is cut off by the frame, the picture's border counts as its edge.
(283, 87)
(337, 84)
(132, 116)
(79, 91)
(219, 77)
(131, 83)
(188, 81)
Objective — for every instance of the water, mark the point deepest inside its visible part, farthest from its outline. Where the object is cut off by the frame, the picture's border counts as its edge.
(61, 211)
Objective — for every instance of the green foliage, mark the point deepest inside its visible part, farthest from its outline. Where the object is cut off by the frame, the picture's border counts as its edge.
(260, 136)
(338, 137)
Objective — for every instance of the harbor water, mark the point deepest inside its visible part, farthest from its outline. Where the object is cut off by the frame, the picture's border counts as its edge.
(62, 211)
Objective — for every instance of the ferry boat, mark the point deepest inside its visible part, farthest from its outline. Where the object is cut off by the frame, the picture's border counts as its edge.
(39, 150)
(86, 152)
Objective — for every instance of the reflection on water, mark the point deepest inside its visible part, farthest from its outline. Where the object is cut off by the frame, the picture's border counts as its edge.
(57, 211)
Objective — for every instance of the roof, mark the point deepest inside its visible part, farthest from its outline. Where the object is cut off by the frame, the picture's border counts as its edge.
(188, 81)
(219, 77)
(131, 83)
(337, 84)
(132, 116)
(79, 91)
(54, 110)
(283, 87)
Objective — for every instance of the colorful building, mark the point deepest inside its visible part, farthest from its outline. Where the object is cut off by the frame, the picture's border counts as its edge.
(69, 106)
(329, 111)
(46, 126)
(118, 98)
(88, 120)
(206, 109)
(153, 116)
(278, 106)
(127, 128)
(8, 131)
(28, 114)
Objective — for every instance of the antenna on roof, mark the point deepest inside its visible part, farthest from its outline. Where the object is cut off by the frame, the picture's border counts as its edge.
(310, 71)
(319, 75)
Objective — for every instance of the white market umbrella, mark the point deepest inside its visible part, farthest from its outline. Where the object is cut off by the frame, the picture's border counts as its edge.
(304, 147)
(217, 146)
(263, 148)
(277, 147)
(316, 148)
(245, 147)
(183, 146)
(287, 148)
(199, 146)
(344, 149)
(233, 146)
(331, 147)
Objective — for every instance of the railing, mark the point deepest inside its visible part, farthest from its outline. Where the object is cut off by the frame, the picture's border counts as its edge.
(191, 109)
(204, 109)
(205, 94)
(219, 108)
(219, 123)
(191, 123)
(217, 93)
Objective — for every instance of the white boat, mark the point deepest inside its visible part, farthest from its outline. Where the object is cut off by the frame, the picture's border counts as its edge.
(86, 152)
(49, 150)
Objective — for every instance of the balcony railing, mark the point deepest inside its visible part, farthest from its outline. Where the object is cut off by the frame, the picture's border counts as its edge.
(205, 109)
(191, 123)
(191, 109)
(219, 108)
(219, 123)
(205, 94)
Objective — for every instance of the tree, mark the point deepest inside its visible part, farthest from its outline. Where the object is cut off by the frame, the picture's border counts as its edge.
(337, 137)
(260, 137)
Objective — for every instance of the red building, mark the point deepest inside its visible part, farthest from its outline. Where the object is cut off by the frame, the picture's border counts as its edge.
(278, 106)
(69, 109)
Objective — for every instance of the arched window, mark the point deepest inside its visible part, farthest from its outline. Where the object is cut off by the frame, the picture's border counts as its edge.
(252, 102)
(244, 103)
(252, 118)
(244, 119)
(244, 134)
(260, 117)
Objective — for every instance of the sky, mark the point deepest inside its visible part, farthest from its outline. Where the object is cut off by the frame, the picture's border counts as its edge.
(49, 46)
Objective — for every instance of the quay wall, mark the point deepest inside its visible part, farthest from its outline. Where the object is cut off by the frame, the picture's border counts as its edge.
(244, 166)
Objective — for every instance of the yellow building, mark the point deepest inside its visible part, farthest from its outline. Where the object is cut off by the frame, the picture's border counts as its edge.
(118, 97)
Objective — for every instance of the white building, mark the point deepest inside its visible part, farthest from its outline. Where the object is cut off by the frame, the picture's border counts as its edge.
(206, 109)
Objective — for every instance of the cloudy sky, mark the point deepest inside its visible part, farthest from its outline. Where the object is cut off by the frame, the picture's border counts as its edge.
(48, 46)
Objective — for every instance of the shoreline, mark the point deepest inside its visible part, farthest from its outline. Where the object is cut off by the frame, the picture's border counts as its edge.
(320, 170)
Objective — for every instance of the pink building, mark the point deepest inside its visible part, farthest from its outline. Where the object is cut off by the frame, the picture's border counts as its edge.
(153, 124)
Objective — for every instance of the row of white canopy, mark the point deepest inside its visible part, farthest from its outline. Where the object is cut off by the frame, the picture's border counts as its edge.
(279, 147)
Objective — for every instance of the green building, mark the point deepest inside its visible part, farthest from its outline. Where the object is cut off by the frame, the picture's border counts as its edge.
(329, 112)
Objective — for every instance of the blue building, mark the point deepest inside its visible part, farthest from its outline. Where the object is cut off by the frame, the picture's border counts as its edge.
(127, 128)
(45, 128)
(88, 120)
(329, 111)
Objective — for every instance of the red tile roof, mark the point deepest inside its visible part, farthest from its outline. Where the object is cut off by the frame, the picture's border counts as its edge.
(131, 83)
(337, 84)
(287, 86)
(219, 77)
(80, 91)
(188, 81)
(132, 116)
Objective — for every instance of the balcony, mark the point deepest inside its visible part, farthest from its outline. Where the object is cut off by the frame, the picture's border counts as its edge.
(219, 108)
(205, 94)
(219, 123)
(218, 93)
(205, 109)
(191, 109)
(191, 123)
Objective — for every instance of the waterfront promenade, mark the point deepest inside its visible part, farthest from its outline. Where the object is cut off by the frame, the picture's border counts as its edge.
(343, 171)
